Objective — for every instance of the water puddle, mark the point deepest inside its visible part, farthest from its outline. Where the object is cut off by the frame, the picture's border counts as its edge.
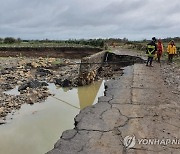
(35, 128)
(13, 91)
(128, 70)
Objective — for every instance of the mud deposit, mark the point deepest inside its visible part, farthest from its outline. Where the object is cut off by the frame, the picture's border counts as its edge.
(31, 77)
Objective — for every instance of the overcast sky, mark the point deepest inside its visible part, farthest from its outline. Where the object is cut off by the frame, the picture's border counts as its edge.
(70, 19)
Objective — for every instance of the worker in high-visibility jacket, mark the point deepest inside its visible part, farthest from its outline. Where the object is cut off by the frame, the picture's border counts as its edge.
(151, 50)
(171, 49)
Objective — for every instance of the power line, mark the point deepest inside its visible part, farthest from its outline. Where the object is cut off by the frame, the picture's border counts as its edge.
(65, 102)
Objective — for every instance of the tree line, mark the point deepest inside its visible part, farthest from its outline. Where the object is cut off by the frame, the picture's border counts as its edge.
(9, 40)
(88, 42)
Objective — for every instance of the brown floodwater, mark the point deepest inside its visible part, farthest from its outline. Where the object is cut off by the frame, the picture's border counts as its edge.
(34, 129)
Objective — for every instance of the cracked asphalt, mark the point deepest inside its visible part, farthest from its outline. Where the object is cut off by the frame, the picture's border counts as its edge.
(138, 103)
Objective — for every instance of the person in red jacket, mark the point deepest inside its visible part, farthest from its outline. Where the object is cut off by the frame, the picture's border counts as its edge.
(159, 50)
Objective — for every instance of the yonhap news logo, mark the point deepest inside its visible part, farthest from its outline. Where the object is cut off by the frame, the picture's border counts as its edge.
(131, 141)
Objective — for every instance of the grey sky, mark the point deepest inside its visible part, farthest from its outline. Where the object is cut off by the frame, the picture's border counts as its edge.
(65, 19)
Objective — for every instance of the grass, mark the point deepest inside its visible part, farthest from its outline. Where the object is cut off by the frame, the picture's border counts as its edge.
(39, 44)
(57, 61)
(177, 60)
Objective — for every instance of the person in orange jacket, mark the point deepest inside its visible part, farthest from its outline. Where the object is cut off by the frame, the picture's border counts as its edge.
(159, 49)
(171, 49)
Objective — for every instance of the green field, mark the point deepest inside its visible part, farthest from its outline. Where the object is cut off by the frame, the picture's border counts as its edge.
(12, 42)
(39, 44)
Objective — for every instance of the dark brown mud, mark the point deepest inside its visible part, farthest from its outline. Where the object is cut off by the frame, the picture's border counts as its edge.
(57, 52)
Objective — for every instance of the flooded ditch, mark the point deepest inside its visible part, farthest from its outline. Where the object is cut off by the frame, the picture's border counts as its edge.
(35, 128)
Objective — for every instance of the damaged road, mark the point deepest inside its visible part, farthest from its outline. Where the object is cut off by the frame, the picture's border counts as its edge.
(139, 104)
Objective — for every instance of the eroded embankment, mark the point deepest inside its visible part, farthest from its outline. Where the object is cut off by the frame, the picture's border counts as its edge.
(104, 64)
(56, 52)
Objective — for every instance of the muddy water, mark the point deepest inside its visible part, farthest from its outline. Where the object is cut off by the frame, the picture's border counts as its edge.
(34, 129)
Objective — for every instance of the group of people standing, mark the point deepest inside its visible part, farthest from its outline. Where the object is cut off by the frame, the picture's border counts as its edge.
(158, 49)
